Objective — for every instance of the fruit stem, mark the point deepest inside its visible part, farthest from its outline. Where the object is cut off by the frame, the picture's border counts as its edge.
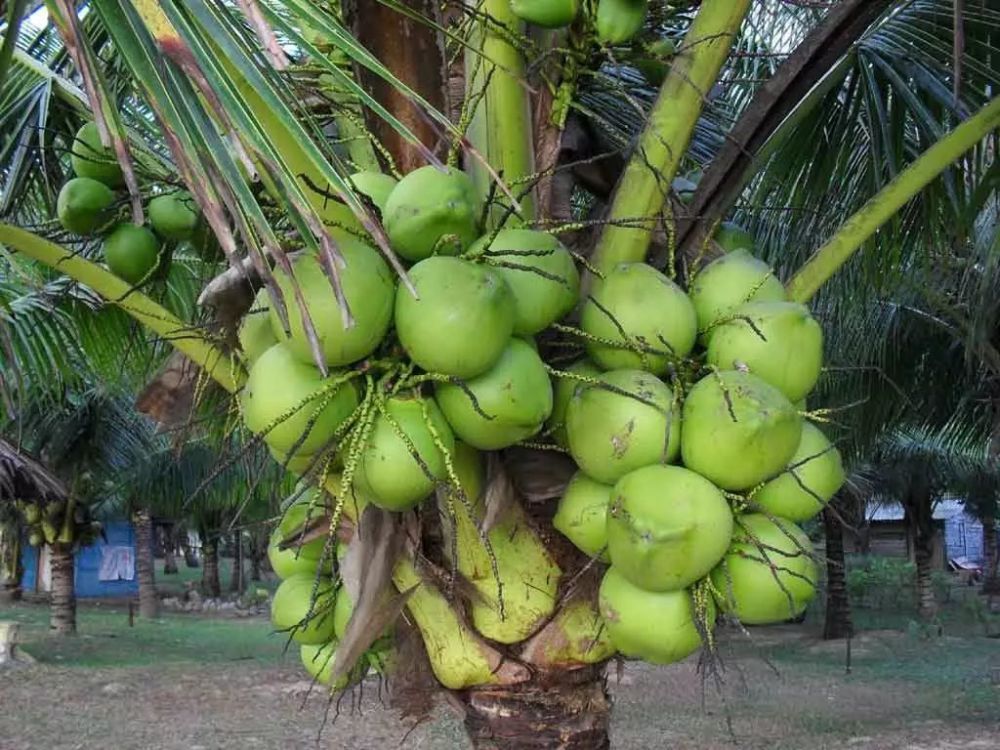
(500, 127)
(221, 366)
(883, 206)
(644, 187)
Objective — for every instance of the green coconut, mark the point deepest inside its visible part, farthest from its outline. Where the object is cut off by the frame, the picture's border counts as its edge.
(174, 215)
(295, 612)
(655, 627)
(812, 477)
(432, 212)
(654, 313)
(768, 576)
(369, 287)
(732, 237)
(279, 384)
(90, 158)
(389, 473)
(514, 399)
(545, 283)
(132, 253)
(83, 205)
(731, 281)
(374, 185)
(582, 515)
(255, 333)
(298, 464)
(299, 558)
(461, 320)
(549, 14)
(617, 21)
(738, 430)
(779, 342)
(630, 423)
(318, 661)
(667, 527)
(562, 392)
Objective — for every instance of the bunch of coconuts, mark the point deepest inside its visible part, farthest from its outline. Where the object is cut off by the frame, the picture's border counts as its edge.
(685, 418)
(89, 203)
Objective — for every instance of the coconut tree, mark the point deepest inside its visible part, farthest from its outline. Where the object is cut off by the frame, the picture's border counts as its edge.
(275, 116)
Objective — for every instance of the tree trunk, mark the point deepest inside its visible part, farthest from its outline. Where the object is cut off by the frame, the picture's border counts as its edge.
(256, 552)
(210, 569)
(169, 556)
(190, 558)
(145, 570)
(991, 556)
(63, 607)
(11, 570)
(236, 582)
(564, 710)
(838, 607)
(918, 508)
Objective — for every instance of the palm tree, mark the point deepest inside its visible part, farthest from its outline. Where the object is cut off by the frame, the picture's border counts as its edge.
(863, 124)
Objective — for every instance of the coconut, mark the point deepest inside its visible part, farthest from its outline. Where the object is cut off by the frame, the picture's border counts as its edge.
(89, 157)
(779, 342)
(369, 287)
(731, 281)
(582, 515)
(300, 558)
(83, 205)
(374, 185)
(667, 527)
(255, 334)
(132, 253)
(545, 281)
(629, 423)
(174, 215)
(550, 14)
(461, 320)
(318, 660)
(731, 237)
(738, 430)
(295, 611)
(638, 302)
(617, 21)
(562, 392)
(656, 627)
(278, 385)
(388, 472)
(813, 475)
(432, 212)
(514, 399)
(298, 464)
(768, 576)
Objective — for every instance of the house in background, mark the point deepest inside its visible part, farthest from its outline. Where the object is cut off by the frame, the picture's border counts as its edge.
(958, 535)
(103, 570)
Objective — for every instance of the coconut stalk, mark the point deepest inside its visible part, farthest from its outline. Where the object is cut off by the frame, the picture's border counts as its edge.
(497, 96)
(826, 261)
(645, 185)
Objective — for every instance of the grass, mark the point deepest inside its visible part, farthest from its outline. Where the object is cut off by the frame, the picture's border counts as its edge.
(177, 583)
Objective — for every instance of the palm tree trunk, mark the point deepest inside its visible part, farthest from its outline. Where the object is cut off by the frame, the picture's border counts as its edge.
(991, 580)
(565, 709)
(838, 607)
(210, 565)
(923, 553)
(236, 582)
(256, 552)
(63, 607)
(190, 558)
(145, 571)
(169, 537)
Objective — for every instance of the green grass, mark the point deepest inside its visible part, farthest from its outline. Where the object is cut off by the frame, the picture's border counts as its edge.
(185, 577)
(105, 639)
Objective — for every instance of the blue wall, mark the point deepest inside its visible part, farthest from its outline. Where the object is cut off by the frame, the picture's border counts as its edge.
(88, 563)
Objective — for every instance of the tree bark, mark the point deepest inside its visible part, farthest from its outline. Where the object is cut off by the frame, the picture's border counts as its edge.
(210, 565)
(169, 551)
(923, 552)
(148, 603)
(838, 622)
(236, 582)
(991, 579)
(256, 552)
(918, 509)
(564, 710)
(63, 606)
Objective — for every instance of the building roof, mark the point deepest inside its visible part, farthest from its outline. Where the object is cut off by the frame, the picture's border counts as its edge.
(24, 478)
(883, 509)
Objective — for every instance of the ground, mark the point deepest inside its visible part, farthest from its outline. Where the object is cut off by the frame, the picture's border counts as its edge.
(187, 682)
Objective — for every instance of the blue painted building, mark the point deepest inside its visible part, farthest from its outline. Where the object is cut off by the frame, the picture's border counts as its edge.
(104, 569)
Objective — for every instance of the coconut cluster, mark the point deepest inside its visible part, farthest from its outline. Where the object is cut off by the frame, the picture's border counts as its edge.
(694, 458)
(88, 205)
